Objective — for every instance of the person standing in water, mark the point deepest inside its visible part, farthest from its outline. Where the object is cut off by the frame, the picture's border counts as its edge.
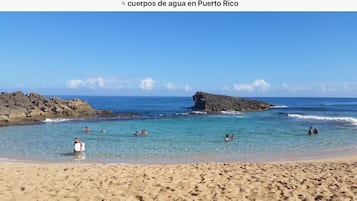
(316, 131)
(78, 147)
(310, 131)
(226, 139)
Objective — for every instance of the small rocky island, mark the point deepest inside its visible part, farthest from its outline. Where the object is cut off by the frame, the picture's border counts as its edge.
(212, 103)
(19, 108)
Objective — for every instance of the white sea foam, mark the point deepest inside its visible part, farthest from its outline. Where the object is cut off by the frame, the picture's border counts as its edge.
(4, 159)
(278, 106)
(198, 112)
(325, 118)
(182, 114)
(8, 160)
(48, 120)
(231, 112)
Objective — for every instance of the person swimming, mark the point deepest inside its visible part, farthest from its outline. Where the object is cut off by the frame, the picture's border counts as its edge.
(226, 139)
(233, 137)
(144, 132)
(86, 129)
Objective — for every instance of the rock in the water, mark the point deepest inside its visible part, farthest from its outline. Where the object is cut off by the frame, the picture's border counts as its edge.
(213, 103)
(19, 108)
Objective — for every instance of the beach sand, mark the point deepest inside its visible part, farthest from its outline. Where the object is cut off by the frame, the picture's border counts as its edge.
(333, 179)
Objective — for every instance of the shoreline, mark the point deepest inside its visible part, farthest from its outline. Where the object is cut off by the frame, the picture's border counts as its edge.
(287, 158)
(321, 179)
(342, 158)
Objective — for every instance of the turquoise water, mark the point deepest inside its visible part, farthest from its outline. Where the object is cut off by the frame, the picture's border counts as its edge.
(177, 136)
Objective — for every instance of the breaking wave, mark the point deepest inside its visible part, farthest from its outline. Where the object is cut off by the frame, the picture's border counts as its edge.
(278, 106)
(48, 120)
(198, 112)
(325, 118)
(231, 112)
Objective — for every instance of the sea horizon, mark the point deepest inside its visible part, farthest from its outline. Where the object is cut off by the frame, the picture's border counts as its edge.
(189, 96)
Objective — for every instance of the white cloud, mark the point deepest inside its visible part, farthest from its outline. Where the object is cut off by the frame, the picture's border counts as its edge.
(147, 84)
(323, 88)
(319, 89)
(256, 85)
(284, 86)
(334, 87)
(73, 84)
(96, 82)
(88, 83)
(169, 86)
(187, 87)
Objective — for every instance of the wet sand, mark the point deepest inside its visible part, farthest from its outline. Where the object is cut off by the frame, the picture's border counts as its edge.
(328, 179)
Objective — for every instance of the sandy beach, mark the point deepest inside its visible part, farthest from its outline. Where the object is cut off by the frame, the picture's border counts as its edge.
(332, 179)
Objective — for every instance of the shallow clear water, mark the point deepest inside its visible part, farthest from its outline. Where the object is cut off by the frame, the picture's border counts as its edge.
(176, 136)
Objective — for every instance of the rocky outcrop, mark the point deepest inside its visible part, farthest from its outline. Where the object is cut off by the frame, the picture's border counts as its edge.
(20, 108)
(212, 103)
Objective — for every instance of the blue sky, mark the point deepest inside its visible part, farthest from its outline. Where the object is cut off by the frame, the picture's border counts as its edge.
(176, 54)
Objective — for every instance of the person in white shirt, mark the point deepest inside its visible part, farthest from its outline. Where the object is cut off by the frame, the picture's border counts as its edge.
(78, 146)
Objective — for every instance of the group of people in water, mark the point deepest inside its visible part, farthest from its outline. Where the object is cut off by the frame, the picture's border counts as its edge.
(87, 130)
(79, 146)
(313, 131)
(142, 133)
(226, 139)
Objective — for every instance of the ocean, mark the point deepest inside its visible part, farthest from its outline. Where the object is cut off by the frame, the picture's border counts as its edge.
(178, 135)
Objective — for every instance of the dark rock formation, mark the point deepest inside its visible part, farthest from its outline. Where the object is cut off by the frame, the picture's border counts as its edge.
(19, 108)
(212, 103)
